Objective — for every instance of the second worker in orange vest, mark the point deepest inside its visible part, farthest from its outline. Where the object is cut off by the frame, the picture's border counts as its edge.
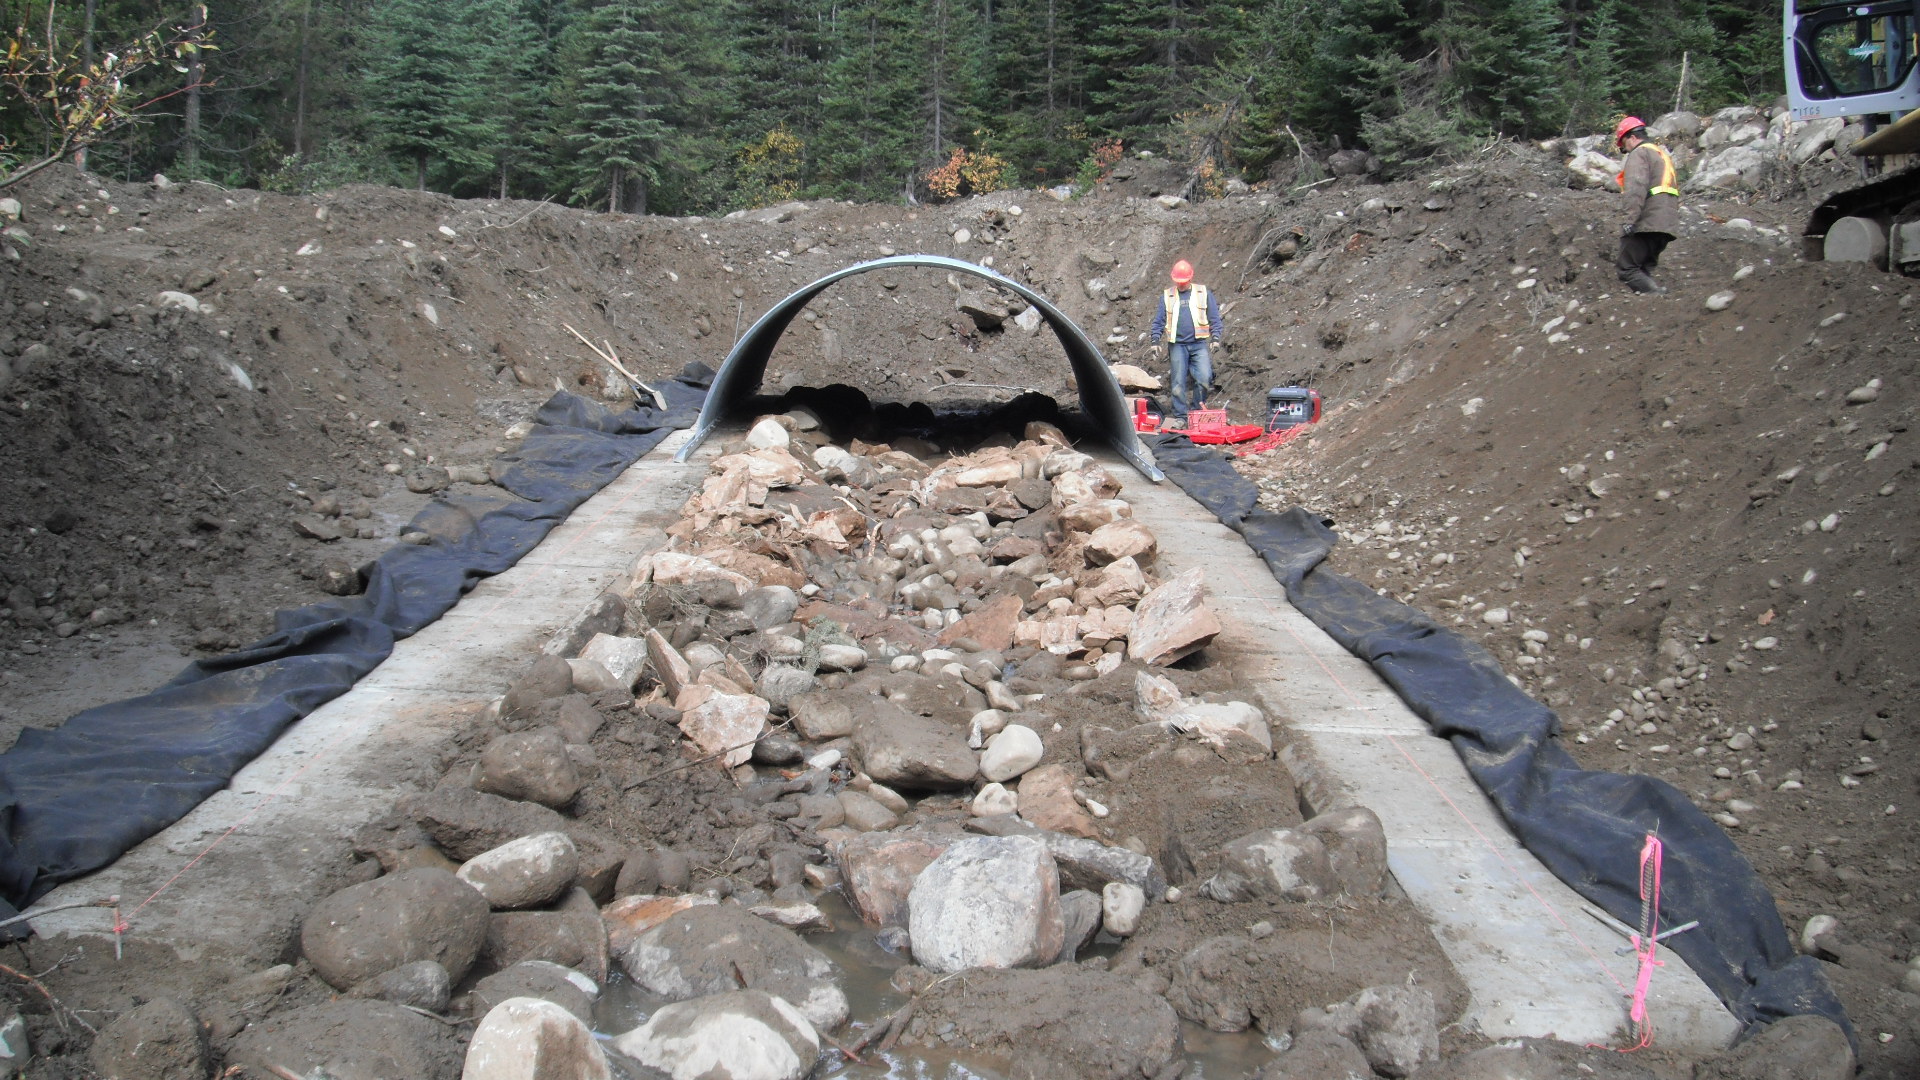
(1188, 323)
(1647, 183)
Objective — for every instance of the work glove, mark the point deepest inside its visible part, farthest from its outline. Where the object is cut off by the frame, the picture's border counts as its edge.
(1627, 229)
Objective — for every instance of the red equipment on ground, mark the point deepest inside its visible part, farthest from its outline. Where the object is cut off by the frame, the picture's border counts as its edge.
(1289, 410)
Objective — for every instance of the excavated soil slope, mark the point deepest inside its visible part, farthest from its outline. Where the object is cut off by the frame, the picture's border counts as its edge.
(1684, 528)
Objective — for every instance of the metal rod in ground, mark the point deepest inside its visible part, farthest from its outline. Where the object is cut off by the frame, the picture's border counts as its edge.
(1618, 927)
(111, 901)
(1661, 936)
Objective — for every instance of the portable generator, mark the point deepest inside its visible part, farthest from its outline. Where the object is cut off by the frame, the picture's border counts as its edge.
(1291, 406)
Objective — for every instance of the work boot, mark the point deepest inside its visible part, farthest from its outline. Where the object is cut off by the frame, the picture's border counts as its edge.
(1642, 282)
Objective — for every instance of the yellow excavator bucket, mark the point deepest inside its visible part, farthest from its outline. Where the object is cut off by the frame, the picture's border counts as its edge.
(1900, 137)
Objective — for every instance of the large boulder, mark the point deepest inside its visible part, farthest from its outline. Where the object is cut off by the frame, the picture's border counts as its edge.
(376, 926)
(464, 823)
(912, 752)
(770, 606)
(1225, 722)
(160, 1040)
(529, 765)
(422, 984)
(549, 677)
(523, 873)
(573, 938)
(739, 1035)
(630, 916)
(1083, 863)
(1395, 1026)
(1674, 126)
(825, 714)
(1731, 169)
(723, 724)
(1281, 864)
(1121, 539)
(1356, 845)
(1811, 139)
(782, 684)
(526, 1038)
(349, 1039)
(625, 658)
(1211, 985)
(1172, 621)
(987, 901)
(1592, 170)
(1081, 914)
(1016, 749)
(538, 979)
(1047, 802)
(709, 950)
(877, 871)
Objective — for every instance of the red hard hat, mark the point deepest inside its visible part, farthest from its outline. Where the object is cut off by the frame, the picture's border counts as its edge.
(1625, 128)
(1182, 272)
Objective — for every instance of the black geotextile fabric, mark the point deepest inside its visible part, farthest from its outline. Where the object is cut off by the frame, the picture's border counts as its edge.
(1587, 827)
(73, 798)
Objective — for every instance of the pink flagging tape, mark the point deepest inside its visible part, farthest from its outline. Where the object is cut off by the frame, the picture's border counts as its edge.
(1646, 944)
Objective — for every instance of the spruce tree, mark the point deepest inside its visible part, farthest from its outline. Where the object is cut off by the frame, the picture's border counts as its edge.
(868, 145)
(1359, 64)
(1139, 57)
(425, 86)
(1597, 79)
(616, 131)
(1038, 89)
(1503, 61)
(515, 52)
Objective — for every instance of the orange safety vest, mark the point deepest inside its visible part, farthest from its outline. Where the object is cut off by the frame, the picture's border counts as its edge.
(1667, 177)
(1197, 303)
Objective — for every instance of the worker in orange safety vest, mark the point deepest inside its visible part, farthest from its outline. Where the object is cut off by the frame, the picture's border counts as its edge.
(1647, 183)
(1188, 323)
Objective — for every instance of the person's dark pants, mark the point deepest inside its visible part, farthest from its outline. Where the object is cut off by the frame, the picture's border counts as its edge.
(1640, 256)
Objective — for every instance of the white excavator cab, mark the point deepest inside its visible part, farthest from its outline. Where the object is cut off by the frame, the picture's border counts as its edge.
(1862, 59)
(1851, 58)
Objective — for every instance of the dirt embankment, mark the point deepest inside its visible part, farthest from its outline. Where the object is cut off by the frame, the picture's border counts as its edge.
(1686, 529)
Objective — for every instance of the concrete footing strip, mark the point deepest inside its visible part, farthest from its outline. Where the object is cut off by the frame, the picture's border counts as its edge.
(233, 878)
(1534, 963)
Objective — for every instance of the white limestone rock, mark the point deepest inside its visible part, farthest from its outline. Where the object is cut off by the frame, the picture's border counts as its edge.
(987, 901)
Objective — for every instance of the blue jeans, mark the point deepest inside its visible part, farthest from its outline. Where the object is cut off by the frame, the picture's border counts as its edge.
(1193, 361)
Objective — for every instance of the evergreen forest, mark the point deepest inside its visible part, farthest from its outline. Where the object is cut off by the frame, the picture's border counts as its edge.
(656, 106)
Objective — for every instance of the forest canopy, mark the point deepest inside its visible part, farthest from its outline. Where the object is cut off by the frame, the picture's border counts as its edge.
(649, 106)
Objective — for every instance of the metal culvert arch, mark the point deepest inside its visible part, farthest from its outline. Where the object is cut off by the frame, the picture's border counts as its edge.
(1100, 397)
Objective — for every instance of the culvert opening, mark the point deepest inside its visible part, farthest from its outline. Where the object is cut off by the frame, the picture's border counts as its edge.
(1098, 394)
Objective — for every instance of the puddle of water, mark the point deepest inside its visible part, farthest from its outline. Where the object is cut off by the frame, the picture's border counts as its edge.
(866, 969)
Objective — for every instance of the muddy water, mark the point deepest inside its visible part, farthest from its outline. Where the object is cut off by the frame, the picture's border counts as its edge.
(866, 969)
